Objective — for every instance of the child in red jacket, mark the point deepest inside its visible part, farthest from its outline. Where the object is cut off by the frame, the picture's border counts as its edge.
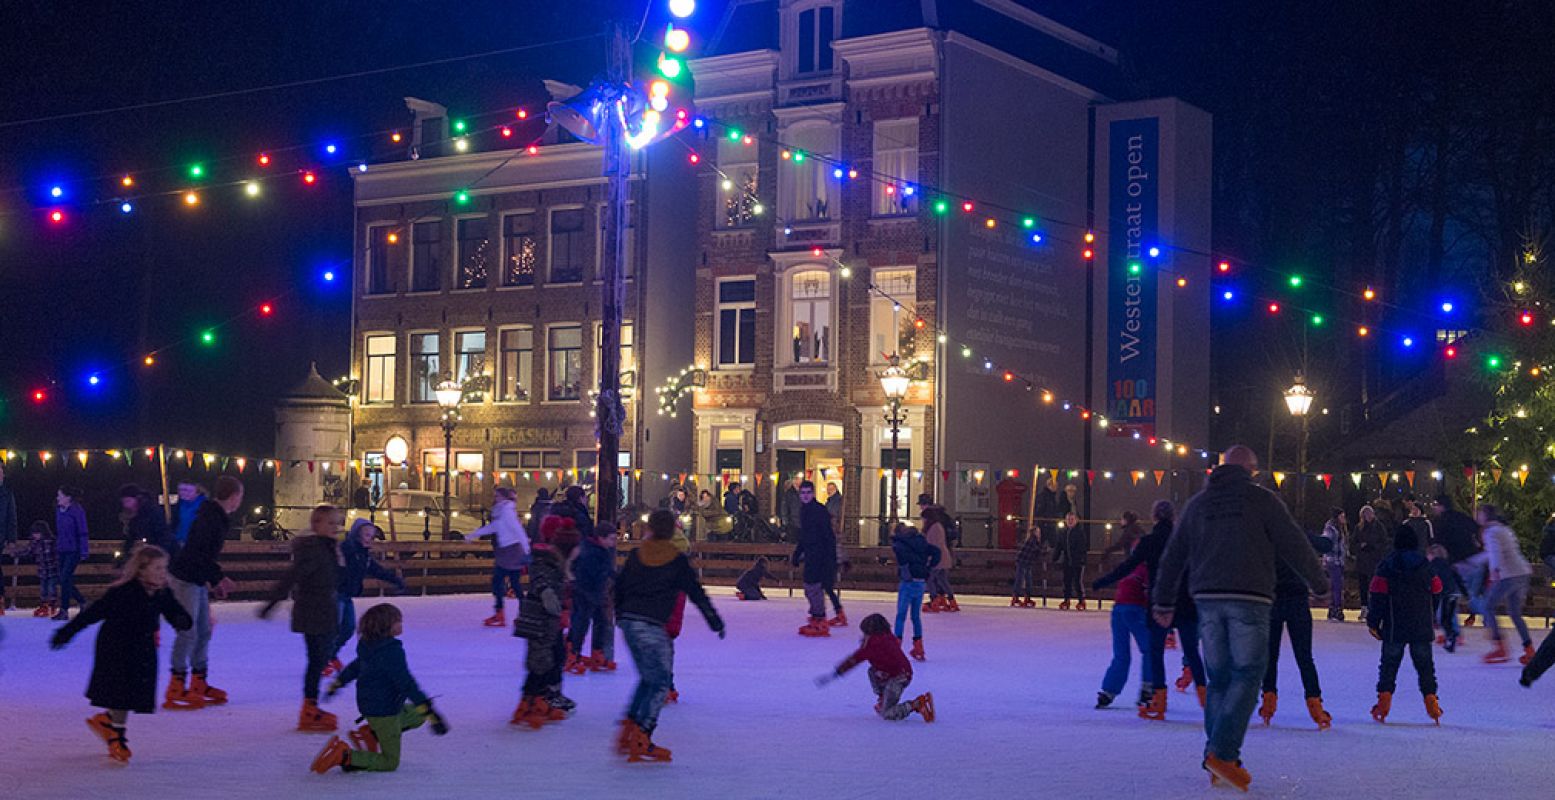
(889, 671)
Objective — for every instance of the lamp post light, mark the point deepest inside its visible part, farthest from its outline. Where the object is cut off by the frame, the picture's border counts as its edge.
(895, 381)
(1298, 400)
(449, 394)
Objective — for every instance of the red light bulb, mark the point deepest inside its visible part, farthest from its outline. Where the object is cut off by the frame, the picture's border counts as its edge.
(507, 133)
(266, 310)
(522, 114)
(967, 206)
(1225, 266)
(534, 150)
(1009, 377)
(1527, 318)
(38, 395)
(1274, 308)
(695, 158)
(1087, 254)
(309, 178)
(1452, 352)
(264, 159)
(56, 216)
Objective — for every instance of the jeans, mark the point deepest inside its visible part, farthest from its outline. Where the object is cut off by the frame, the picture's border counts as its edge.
(815, 593)
(1074, 579)
(1512, 591)
(650, 646)
(345, 622)
(501, 580)
(320, 647)
(68, 561)
(388, 731)
(1472, 571)
(909, 598)
(1128, 622)
(1236, 653)
(889, 691)
(1295, 616)
(191, 648)
(830, 587)
(1335, 586)
(1022, 580)
(939, 583)
(1393, 655)
(585, 614)
(48, 589)
(1187, 640)
(1447, 615)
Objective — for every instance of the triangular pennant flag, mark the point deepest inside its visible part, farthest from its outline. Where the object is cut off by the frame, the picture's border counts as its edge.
(209, 459)
(758, 479)
(1159, 474)
(1409, 475)
(1054, 473)
(1495, 475)
(680, 477)
(1383, 478)
(1090, 476)
(637, 474)
(1468, 472)
(1279, 480)
(310, 466)
(189, 458)
(1136, 475)
(81, 456)
(1355, 477)
(1327, 479)
(1522, 477)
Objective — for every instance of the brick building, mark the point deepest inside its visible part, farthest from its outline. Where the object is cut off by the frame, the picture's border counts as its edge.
(967, 98)
(487, 263)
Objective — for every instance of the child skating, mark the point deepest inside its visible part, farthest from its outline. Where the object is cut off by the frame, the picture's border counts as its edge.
(311, 584)
(41, 548)
(748, 586)
(386, 694)
(356, 566)
(593, 566)
(1130, 610)
(124, 667)
(1026, 559)
(915, 558)
(1399, 615)
(889, 672)
(540, 624)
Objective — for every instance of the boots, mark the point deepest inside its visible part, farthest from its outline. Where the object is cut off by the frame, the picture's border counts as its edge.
(932, 606)
(113, 735)
(209, 694)
(312, 719)
(1379, 712)
(629, 732)
(1064, 606)
(1081, 605)
(950, 605)
(1271, 702)
(642, 748)
(363, 738)
(1028, 602)
(1156, 709)
(1527, 655)
(497, 620)
(1228, 773)
(541, 712)
(335, 754)
(42, 610)
(924, 705)
(1184, 680)
(816, 627)
(1497, 654)
(179, 698)
(521, 713)
(1203, 693)
(839, 621)
(1014, 602)
(917, 649)
(575, 665)
(1103, 700)
(598, 662)
(1323, 719)
(1433, 709)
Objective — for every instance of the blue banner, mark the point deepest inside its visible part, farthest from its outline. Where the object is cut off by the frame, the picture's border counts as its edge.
(1133, 209)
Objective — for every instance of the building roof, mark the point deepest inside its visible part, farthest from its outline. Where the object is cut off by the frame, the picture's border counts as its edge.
(315, 387)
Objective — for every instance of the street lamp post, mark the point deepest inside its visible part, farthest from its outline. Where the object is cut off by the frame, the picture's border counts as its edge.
(449, 393)
(1298, 400)
(895, 381)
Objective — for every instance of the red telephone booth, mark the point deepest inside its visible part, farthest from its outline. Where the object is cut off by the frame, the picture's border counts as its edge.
(1009, 493)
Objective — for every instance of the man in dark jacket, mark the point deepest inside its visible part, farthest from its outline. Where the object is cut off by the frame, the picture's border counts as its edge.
(1228, 541)
(817, 550)
(1458, 533)
(7, 531)
(145, 522)
(196, 575)
(1400, 617)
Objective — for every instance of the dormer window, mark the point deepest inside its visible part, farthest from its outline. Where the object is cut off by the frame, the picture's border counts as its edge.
(816, 27)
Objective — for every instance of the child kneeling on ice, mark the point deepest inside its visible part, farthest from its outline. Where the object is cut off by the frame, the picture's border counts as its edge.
(1399, 615)
(889, 671)
(386, 694)
(748, 586)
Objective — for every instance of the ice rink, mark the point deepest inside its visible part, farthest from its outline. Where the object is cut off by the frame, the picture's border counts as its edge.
(1014, 690)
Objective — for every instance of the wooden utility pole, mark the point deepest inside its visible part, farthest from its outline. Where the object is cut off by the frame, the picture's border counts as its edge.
(609, 414)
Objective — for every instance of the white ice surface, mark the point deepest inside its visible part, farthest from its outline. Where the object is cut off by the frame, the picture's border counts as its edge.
(1014, 690)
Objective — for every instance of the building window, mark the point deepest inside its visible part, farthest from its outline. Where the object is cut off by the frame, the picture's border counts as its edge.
(892, 315)
(896, 165)
(385, 259)
(809, 315)
(808, 184)
(564, 352)
(567, 245)
(517, 362)
(529, 459)
(520, 249)
(737, 322)
(474, 250)
(424, 367)
(469, 355)
(809, 432)
(729, 452)
(1449, 335)
(816, 29)
(379, 367)
(738, 194)
(426, 256)
(628, 364)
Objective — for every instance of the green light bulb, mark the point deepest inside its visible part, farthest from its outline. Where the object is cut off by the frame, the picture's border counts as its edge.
(1317, 319)
(940, 206)
(208, 337)
(1029, 222)
(197, 170)
(459, 126)
(1295, 281)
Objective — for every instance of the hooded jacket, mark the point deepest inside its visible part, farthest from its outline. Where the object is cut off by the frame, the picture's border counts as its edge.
(70, 530)
(311, 583)
(509, 539)
(1228, 540)
(1401, 592)
(357, 565)
(914, 556)
(592, 568)
(383, 679)
(196, 562)
(654, 574)
(817, 547)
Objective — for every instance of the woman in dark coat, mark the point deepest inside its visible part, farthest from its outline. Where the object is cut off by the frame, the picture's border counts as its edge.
(124, 668)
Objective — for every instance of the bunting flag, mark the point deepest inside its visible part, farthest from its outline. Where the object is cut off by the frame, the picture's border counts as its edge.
(1055, 475)
(1279, 480)
(1522, 477)
(1159, 474)
(1468, 473)
(208, 458)
(1409, 475)
(1136, 475)
(189, 458)
(1382, 477)
(1327, 479)
(81, 456)
(310, 466)
(1495, 474)
(1090, 476)
(1355, 478)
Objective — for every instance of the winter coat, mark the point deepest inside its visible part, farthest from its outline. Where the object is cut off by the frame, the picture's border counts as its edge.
(538, 511)
(540, 615)
(655, 574)
(508, 539)
(817, 546)
(1133, 583)
(148, 525)
(592, 568)
(1288, 584)
(934, 534)
(1457, 532)
(914, 556)
(1369, 542)
(70, 534)
(749, 582)
(124, 667)
(357, 565)
(1452, 583)
(183, 518)
(1401, 591)
(1228, 539)
(712, 520)
(1030, 551)
(311, 582)
(790, 508)
(884, 654)
(196, 561)
(1336, 549)
(1148, 552)
(731, 502)
(8, 530)
(383, 679)
(1076, 543)
(1506, 555)
(1423, 529)
(578, 513)
(44, 555)
(1127, 538)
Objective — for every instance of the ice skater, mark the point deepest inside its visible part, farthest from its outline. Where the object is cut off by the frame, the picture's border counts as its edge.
(539, 623)
(1508, 583)
(817, 550)
(1130, 609)
(41, 549)
(889, 672)
(1445, 608)
(915, 560)
(311, 584)
(936, 529)
(1026, 559)
(1076, 543)
(593, 567)
(511, 548)
(124, 666)
(645, 594)
(1400, 595)
(386, 694)
(1292, 614)
(748, 586)
(356, 566)
(196, 576)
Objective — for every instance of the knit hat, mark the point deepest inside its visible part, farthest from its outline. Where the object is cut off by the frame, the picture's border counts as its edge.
(560, 533)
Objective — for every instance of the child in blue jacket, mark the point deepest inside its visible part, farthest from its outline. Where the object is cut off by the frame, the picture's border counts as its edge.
(386, 694)
(593, 567)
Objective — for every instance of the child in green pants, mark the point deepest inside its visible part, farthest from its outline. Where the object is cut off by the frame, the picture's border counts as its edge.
(386, 694)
